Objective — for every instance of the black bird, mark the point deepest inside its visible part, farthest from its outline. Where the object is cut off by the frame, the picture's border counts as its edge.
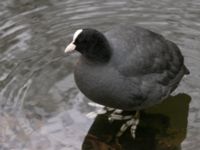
(127, 68)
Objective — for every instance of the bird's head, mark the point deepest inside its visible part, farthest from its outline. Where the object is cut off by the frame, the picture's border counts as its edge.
(90, 43)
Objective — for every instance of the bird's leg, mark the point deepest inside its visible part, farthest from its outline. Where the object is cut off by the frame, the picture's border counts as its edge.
(116, 114)
(99, 111)
(132, 123)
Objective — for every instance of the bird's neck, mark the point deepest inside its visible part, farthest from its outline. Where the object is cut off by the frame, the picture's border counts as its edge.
(100, 52)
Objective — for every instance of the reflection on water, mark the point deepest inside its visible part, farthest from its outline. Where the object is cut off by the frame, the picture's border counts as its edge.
(40, 106)
(162, 127)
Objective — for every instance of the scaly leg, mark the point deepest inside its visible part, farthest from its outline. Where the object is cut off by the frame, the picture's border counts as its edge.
(116, 114)
(100, 109)
(132, 123)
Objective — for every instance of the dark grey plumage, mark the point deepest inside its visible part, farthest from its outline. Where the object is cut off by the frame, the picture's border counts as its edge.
(128, 67)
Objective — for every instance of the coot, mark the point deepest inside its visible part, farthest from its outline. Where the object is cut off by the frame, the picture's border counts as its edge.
(127, 68)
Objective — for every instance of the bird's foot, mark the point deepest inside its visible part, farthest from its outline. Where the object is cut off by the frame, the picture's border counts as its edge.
(116, 114)
(132, 121)
(100, 109)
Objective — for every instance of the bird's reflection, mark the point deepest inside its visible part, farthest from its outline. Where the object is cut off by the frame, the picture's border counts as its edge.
(162, 127)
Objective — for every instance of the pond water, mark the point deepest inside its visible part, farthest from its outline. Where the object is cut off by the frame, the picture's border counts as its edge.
(40, 106)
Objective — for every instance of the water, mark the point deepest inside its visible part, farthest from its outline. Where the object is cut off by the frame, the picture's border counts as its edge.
(41, 108)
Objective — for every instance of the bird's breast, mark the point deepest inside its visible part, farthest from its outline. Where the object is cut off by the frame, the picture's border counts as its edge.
(102, 85)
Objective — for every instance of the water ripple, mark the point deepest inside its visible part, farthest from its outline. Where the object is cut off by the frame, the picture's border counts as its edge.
(36, 82)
